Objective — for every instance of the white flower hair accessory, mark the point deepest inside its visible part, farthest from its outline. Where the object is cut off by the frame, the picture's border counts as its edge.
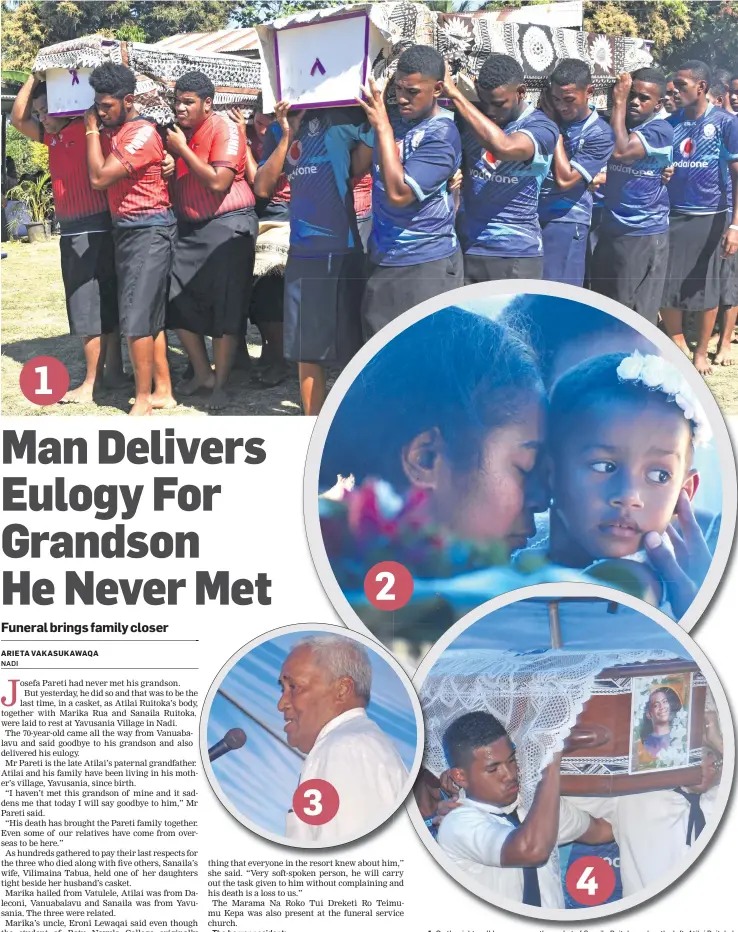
(659, 375)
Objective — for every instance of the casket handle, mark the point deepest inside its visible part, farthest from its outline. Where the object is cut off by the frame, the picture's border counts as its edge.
(584, 737)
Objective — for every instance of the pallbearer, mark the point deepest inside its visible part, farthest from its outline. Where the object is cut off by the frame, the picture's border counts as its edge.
(86, 245)
(584, 148)
(125, 161)
(507, 150)
(414, 253)
(703, 228)
(212, 271)
(632, 252)
(323, 279)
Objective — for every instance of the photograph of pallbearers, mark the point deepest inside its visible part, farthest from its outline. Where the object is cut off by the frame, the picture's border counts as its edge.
(507, 149)
(584, 149)
(414, 252)
(86, 244)
(323, 279)
(125, 161)
(212, 269)
(630, 259)
(703, 226)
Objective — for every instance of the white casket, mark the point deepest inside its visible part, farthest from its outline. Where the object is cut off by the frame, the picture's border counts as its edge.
(319, 64)
(68, 91)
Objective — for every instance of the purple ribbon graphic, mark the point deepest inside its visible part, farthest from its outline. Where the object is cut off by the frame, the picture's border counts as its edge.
(75, 77)
(317, 67)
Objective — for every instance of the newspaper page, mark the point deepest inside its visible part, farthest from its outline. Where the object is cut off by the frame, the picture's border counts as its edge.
(368, 473)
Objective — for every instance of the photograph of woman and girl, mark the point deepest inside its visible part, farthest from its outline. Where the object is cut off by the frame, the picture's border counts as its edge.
(519, 440)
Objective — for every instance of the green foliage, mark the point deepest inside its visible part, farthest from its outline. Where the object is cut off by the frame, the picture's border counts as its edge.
(253, 12)
(29, 157)
(36, 195)
(33, 24)
(679, 29)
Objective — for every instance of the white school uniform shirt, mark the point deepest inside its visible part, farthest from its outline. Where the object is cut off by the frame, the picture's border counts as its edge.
(650, 829)
(355, 756)
(473, 834)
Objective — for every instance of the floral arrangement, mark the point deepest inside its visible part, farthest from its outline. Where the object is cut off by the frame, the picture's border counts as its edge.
(365, 525)
(659, 375)
(372, 523)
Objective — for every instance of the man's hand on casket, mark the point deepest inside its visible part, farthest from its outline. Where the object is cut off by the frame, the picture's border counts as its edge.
(374, 103)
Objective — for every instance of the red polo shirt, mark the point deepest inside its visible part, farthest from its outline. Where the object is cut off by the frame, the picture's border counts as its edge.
(218, 141)
(142, 197)
(79, 208)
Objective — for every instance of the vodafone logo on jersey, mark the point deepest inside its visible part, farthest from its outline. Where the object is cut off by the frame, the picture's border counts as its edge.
(294, 153)
(687, 147)
(490, 160)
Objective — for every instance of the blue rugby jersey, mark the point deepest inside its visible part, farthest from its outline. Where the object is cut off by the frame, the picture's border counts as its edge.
(703, 149)
(499, 215)
(430, 151)
(636, 202)
(318, 168)
(588, 145)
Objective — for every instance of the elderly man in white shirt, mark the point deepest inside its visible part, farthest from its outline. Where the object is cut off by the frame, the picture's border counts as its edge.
(326, 687)
(502, 847)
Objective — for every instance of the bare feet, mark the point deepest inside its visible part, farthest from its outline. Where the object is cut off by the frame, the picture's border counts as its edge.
(216, 400)
(192, 386)
(116, 378)
(163, 402)
(681, 342)
(82, 395)
(141, 408)
(702, 364)
(724, 356)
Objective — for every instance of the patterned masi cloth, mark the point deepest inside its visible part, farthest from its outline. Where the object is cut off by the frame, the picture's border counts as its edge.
(237, 80)
(464, 40)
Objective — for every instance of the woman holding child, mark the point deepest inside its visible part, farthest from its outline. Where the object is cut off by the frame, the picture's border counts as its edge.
(454, 410)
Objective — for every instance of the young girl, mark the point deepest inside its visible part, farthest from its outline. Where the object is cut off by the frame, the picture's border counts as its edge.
(621, 438)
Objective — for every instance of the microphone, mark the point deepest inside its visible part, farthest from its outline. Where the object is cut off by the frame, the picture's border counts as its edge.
(231, 741)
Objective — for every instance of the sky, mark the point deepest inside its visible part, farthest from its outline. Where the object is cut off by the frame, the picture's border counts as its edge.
(261, 777)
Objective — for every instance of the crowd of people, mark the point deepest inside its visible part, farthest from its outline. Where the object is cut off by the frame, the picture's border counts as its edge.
(379, 207)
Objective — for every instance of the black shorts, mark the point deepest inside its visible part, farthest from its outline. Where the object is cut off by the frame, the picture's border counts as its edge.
(693, 274)
(90, 287)
(267, 300)
(729, 281)
(212, 275)
(322, 299)
(143, 260)
(393, 289)
(499, 268)
(631, 270)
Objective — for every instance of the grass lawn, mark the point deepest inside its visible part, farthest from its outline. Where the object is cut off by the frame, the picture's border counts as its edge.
(34, 323)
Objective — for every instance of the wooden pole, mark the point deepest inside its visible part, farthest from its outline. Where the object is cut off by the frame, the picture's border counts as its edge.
(554, 623)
